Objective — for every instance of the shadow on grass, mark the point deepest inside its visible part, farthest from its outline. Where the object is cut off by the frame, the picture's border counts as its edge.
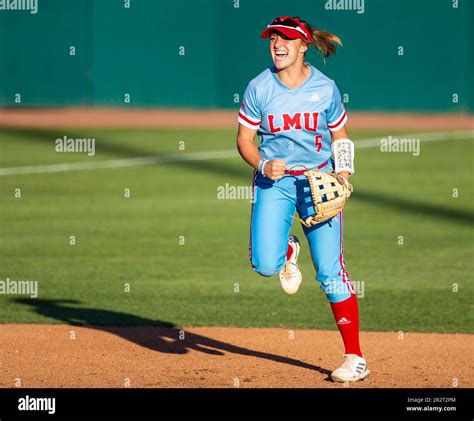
(409, 206)
(108, 145)
(242, 172)
(157, 335)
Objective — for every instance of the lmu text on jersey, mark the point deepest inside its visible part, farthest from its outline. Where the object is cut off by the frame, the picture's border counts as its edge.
(294, 122)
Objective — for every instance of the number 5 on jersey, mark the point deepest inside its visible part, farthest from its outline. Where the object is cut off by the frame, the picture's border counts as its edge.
(317, 142)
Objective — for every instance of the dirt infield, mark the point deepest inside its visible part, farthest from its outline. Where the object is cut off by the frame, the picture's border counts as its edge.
(71, 356)
(223, 119)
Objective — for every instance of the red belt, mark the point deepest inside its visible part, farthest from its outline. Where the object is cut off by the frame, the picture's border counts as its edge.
(301, 172)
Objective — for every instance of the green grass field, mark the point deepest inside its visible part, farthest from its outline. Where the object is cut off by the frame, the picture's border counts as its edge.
(136, 240)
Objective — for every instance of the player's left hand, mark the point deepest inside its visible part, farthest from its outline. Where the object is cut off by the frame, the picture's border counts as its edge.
(344, 174)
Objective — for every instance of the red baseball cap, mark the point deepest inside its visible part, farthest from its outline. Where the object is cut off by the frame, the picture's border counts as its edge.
(288, 26)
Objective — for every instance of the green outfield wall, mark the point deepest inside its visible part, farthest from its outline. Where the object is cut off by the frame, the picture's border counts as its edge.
(398, 55)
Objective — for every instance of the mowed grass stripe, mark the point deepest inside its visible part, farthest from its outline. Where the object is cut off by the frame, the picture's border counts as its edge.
(205, 155)
(183, 252)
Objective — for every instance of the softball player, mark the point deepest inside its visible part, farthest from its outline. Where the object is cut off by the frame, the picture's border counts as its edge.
(299, 117)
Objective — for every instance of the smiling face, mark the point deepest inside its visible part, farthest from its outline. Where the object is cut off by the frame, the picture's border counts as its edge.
(286, 52)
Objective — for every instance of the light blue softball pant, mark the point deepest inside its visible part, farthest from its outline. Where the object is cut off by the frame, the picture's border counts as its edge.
(273, 206)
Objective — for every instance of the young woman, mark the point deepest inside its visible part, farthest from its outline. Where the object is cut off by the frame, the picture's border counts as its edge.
(300, 119)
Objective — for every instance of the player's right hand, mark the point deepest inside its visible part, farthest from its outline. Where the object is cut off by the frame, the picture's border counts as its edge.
(274, 169)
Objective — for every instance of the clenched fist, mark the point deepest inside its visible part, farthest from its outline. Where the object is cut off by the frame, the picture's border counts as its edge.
(274, 169)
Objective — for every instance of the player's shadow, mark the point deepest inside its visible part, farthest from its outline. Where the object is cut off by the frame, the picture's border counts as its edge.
(156, 335)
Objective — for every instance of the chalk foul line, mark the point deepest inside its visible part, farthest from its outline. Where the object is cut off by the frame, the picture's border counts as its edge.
(205, 155)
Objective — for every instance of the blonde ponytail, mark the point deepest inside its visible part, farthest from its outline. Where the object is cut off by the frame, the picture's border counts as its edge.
(324, 41)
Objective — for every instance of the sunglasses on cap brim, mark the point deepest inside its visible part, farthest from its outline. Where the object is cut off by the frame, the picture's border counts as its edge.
(289, 27)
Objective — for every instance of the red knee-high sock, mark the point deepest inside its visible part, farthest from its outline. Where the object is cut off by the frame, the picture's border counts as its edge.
(346, 314)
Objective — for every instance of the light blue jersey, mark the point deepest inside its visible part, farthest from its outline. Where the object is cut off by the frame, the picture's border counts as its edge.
(293, 124)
